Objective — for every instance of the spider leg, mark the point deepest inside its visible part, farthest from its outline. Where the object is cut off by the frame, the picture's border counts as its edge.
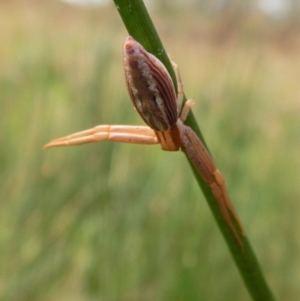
(205, 166)
(119, 133)
(180, 94)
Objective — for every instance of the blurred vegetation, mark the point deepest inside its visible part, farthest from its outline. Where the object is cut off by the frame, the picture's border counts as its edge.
(113, 221)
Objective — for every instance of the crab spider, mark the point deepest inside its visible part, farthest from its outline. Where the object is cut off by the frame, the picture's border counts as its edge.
(153, 95)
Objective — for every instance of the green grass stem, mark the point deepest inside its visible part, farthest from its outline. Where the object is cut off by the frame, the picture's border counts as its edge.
(140, 26)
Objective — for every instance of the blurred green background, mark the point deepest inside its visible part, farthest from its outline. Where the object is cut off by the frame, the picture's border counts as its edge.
(113, 221)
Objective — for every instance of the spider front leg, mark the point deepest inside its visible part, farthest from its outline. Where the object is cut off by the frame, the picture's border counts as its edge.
(204, 164)
(119, 133)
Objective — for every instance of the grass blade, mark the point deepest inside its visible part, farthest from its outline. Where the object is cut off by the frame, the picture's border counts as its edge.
(140, 26)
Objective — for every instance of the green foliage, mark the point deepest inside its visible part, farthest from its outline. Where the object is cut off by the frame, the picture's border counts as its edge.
(122, 222)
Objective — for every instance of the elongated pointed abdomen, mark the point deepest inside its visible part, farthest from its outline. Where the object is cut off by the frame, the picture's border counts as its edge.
(150, 86)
